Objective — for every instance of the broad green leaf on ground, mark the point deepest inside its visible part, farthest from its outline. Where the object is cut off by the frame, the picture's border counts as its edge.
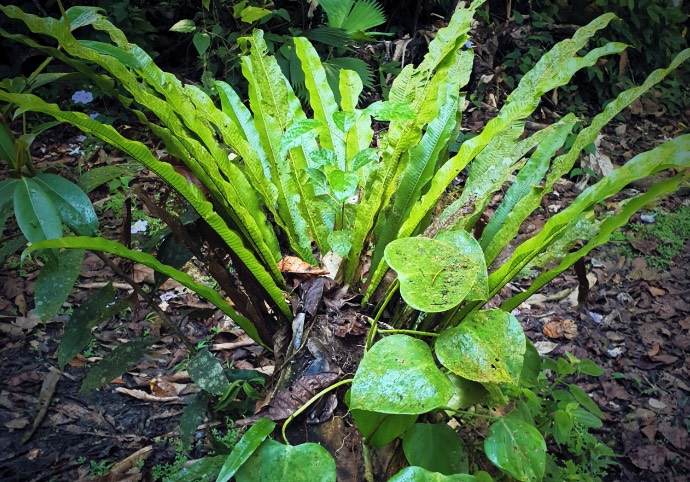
(398, 375)
(247, 445)
(115, 363)
(100, 244)
(173, 254)
(36, 214)
(206, 371)
(418, 474)
(487, 347)
(531, 366)
(55, 282)
(274, 461)
(192, 415)
(434, 276)
(100, 306)
(75, 207)
(517, 448)
(204, 469)
(435, 447)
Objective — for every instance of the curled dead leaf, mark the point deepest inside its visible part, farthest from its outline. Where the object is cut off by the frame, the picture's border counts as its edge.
(292, 264)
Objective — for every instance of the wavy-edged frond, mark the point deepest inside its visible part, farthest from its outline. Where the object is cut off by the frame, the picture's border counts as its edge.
(190, 192)
(113, 247)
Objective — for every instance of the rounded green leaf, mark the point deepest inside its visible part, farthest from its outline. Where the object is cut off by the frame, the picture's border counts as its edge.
(466, 244)
(184, 26)
(517, 448)
(418, 474)
(434, 276)
(274, 461)
(398, 375)
(343, 184)
(435, 447)
(488, 347)
(36, 214)
(72, 203)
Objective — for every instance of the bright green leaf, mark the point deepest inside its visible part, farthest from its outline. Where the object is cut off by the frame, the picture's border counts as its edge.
(398, 375)
(184, 26)
(418, 474)
(434, 276)
(343, 184)
(487, 347)
(273, 461)
(517, 448)
(252, 14)
(247, 445)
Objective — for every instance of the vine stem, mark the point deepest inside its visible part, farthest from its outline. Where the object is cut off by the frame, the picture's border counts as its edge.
(310, 402)
(368, 467)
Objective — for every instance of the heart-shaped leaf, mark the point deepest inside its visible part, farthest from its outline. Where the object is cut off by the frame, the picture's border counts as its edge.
(517, 448)
(418, 474)
(487, 347)
(435, 447)
(434, 276)
(465, 243)
(297, 463)
(398, 375)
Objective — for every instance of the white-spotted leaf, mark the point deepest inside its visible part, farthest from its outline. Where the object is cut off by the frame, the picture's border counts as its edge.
(488, 347)
(434, 276)
(399, 375)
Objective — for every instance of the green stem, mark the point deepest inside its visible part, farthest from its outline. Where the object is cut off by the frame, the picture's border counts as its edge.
(410, 332)
(368, 466)
(310, 402)
(374, 324)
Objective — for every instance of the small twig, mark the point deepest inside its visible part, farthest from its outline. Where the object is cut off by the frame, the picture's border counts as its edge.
(151, 301)
(368, 467)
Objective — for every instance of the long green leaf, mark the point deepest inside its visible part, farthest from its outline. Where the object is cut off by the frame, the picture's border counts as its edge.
(36, 214)
(321, 97)
(670, 155)
(604, 231)
(190, 192)
(113, 247)
(505, 222)
(275, 108)
(555, 68)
